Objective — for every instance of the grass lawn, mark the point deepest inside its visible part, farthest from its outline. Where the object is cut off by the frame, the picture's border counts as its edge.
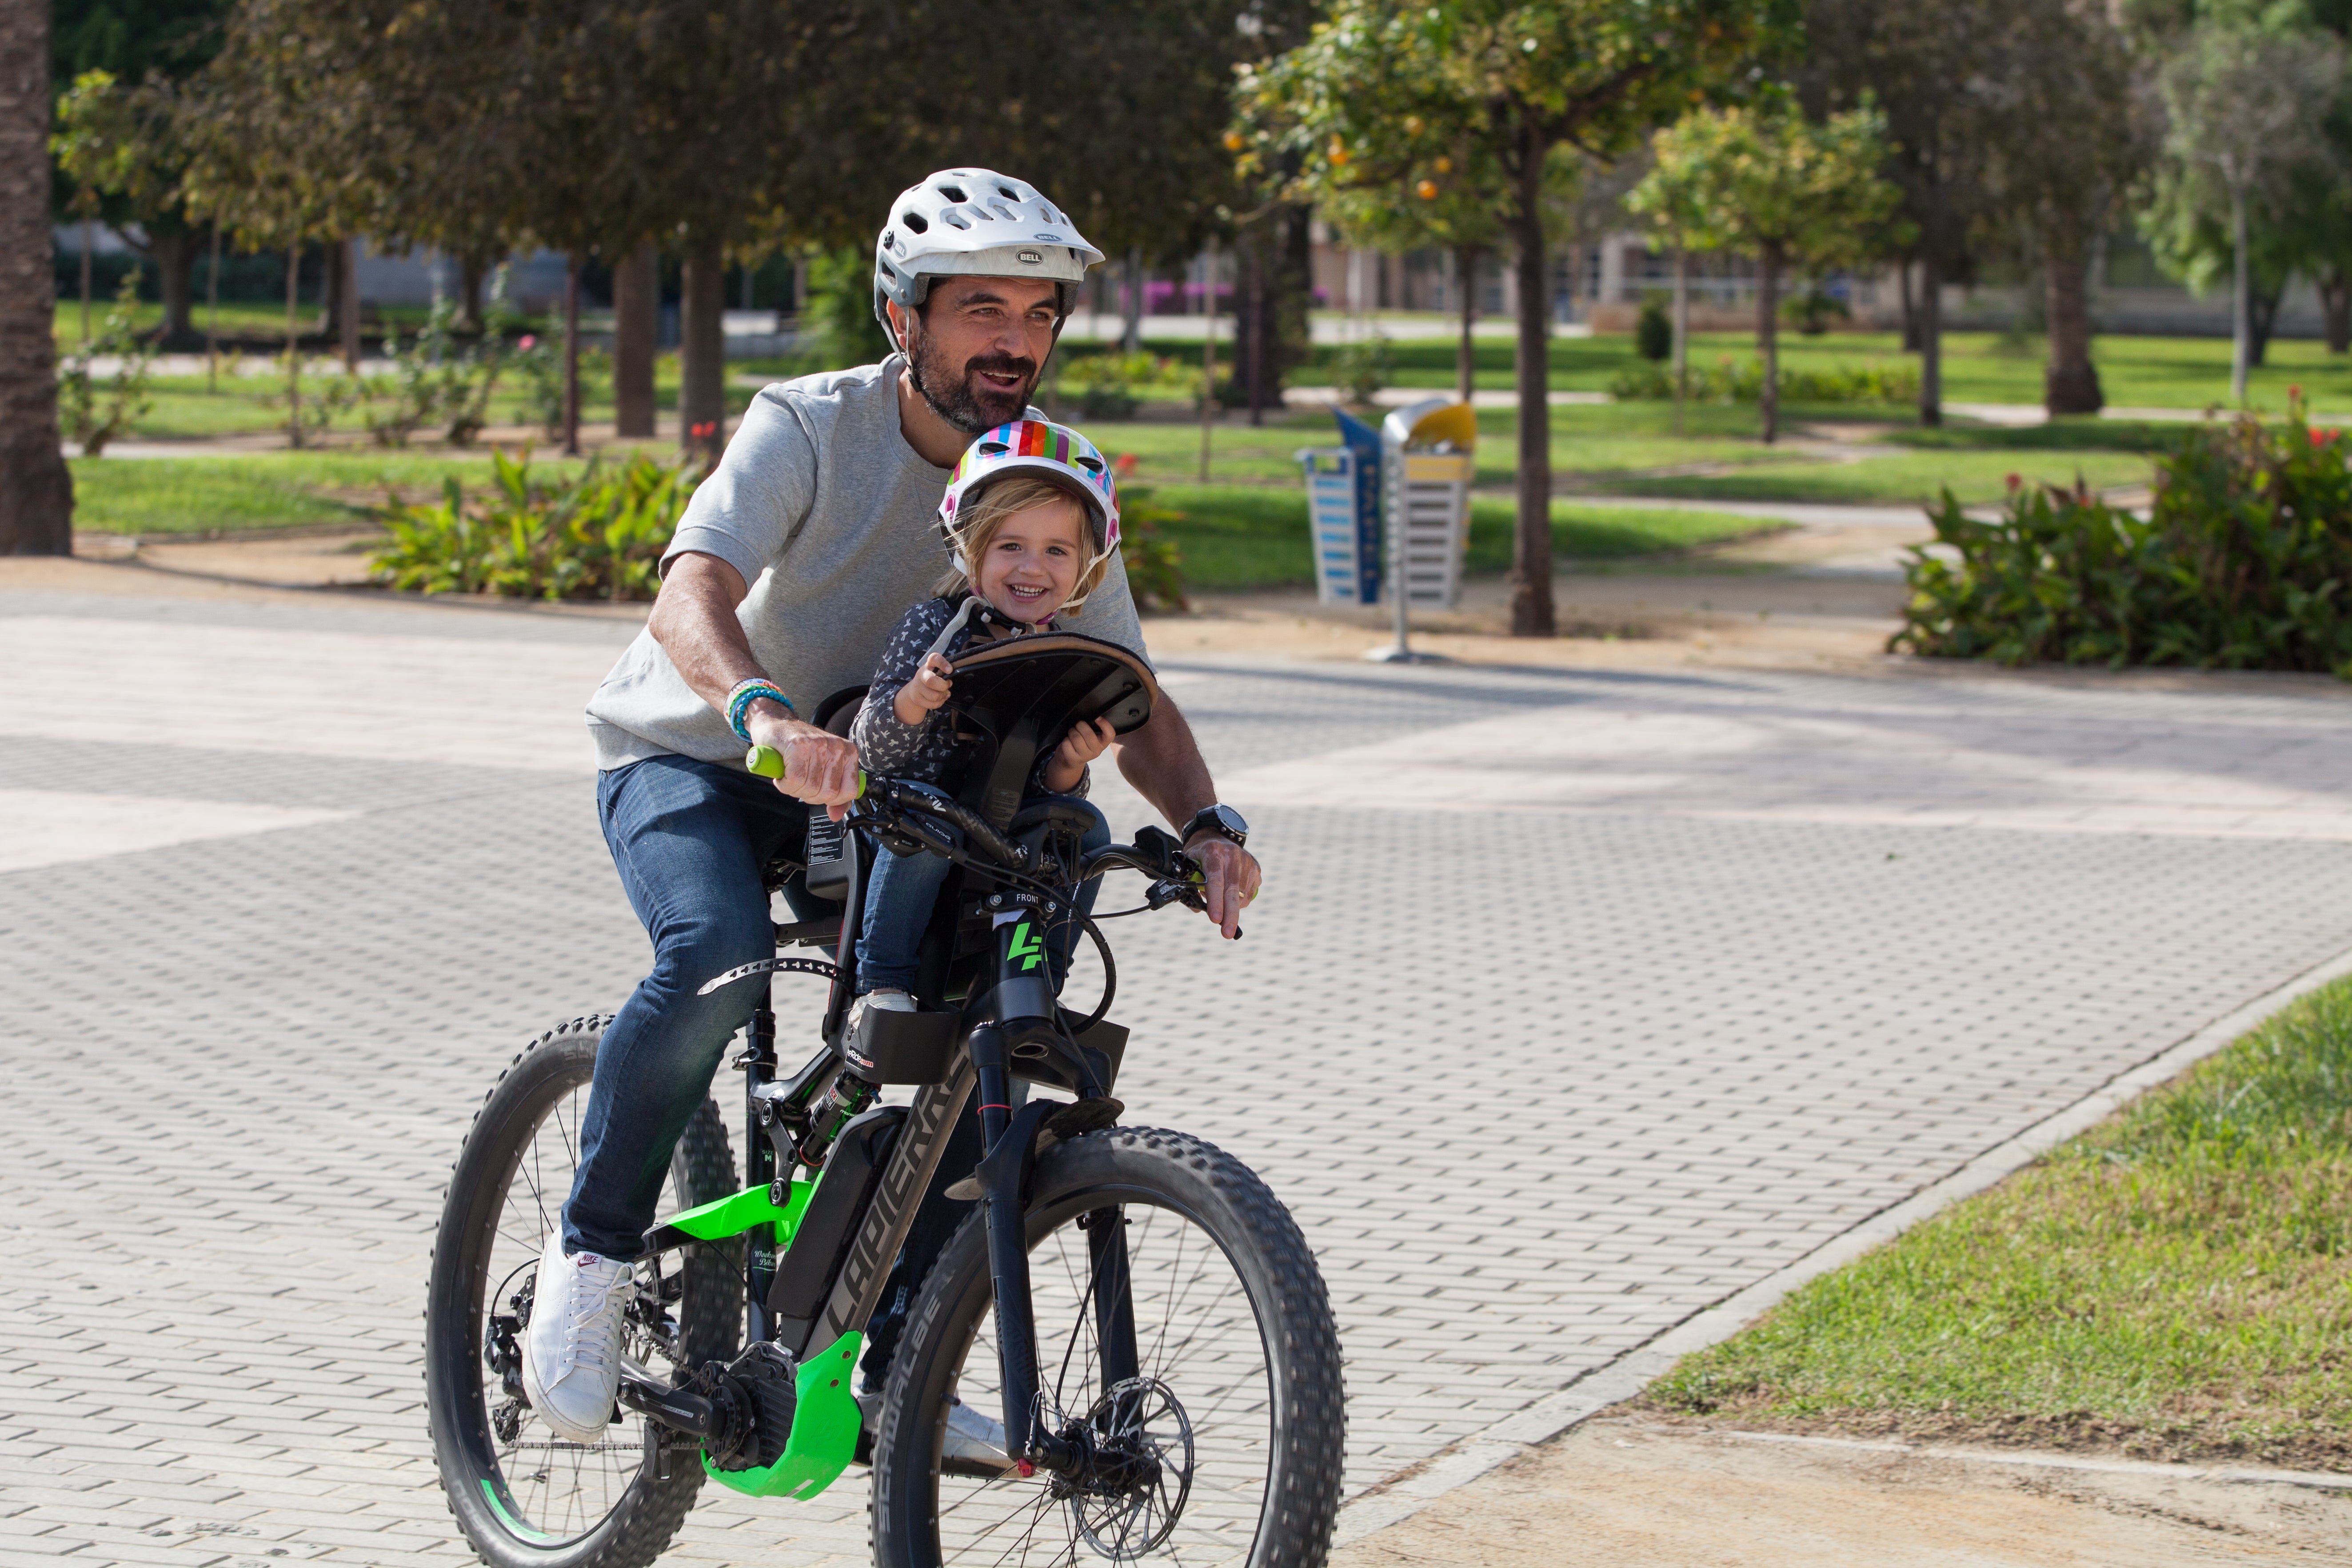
(1914, 477)
(1979, 367)
(2177, 1283)
(204, 495)
(1246, 536)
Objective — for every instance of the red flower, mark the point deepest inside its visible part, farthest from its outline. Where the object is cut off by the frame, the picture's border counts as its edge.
(2014, 480)
(526, 343)
(1124, 464)
(703, 431)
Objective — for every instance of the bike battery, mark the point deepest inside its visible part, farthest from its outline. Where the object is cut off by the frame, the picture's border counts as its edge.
(829, 849)
(902, 1048)
(812, 1262)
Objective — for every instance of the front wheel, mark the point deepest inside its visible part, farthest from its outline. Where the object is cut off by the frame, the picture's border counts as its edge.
(1210, 1380)
(524, 1496)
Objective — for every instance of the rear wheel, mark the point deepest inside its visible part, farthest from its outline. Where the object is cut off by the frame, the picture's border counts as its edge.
(525, 1497)
(1211, 1385)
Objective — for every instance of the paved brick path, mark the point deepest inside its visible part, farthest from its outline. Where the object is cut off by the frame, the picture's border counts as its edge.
(1553, 1029)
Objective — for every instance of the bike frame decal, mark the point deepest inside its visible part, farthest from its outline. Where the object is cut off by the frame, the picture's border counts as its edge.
(515, 1527)
(825, 1424)
(1025, 947)
(921, 1141)
(723, 1217)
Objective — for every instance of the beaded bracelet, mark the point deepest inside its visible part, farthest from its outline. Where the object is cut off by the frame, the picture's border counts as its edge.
(746, 692)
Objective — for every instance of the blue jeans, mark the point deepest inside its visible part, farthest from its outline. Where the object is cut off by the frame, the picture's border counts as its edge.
(903, 887)
(688, 838)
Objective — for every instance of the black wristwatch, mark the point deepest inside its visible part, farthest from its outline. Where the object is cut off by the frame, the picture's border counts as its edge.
(1222, 820)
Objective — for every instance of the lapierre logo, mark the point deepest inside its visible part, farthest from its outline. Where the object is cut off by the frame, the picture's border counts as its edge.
(908, 1167)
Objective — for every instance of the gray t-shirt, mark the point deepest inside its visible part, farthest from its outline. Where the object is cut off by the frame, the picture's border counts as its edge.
(829, 514)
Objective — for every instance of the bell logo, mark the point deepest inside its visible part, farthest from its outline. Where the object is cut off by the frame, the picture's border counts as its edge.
(1033, 257)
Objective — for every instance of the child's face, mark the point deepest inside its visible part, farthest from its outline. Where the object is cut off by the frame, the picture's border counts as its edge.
(1030, 567)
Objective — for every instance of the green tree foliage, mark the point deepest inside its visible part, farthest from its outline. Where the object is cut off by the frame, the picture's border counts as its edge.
(1763, 181)
(1501, 86)
(2248, 96)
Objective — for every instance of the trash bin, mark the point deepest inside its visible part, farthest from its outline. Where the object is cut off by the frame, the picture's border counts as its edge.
(1343, 510)
(1429, 454)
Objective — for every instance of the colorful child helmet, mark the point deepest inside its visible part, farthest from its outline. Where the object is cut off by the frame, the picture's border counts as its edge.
(1054, 453)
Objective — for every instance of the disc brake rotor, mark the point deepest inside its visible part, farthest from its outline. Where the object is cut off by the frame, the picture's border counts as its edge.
(1141, 1422)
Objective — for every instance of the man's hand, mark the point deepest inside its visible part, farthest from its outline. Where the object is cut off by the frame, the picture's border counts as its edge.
(1232, 879)
(922, 696)
(820, 768)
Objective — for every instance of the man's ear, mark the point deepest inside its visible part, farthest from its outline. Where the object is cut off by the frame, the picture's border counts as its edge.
(905, 324)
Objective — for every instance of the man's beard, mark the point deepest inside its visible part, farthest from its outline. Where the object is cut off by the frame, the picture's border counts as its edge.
(961, 401)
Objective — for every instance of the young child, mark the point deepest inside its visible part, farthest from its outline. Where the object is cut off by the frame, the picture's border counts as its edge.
(1032, 519)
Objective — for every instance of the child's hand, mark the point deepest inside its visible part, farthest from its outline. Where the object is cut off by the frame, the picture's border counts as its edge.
(924, 694)
(1083, 743)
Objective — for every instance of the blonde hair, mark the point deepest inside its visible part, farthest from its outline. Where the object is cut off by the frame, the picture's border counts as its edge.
(984, 511)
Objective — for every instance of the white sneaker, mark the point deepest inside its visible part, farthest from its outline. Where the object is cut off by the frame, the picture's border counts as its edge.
(571, 1350)
(880, 1001)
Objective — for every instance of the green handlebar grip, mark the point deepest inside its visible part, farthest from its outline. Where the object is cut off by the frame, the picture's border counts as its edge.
(768, 764)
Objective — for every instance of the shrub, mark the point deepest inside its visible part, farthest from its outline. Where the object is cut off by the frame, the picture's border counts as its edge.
(94, 415)
(1363, 367)
(1653, 332)
(837, 323)
(1154, 565)
(1741, 381)
(2242, 564)
(432, 381)
(598, 534)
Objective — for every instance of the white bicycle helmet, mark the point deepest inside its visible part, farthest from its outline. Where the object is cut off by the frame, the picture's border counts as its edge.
(1052, 452)
(975, 223)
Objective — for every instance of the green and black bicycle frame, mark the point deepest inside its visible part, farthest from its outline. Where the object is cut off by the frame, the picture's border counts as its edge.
(818, 1252)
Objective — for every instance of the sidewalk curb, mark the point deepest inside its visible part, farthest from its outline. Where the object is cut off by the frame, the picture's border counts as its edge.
(1411, 1491)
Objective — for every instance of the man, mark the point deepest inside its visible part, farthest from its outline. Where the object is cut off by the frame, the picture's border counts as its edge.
(793, 563)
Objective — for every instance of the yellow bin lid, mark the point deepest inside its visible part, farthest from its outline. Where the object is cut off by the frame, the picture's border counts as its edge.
(1456, 422)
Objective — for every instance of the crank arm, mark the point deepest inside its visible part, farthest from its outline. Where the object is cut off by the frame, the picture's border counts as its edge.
(679, 1409)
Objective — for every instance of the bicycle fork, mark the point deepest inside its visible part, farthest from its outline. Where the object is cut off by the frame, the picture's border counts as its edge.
(1024, 1008)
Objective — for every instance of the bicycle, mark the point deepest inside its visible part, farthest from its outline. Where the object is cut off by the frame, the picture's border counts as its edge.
(1125, 1349)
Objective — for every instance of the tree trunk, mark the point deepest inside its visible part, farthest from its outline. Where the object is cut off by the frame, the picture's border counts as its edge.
(1530, 579)
(87, 244)
(2261, 316)
(1208, 351)
(1249, 337)
(293, 347)
(571, 355)
(2335, 306)
(1131, 340)
(331, 286)
(1910, 310)
(347, 262)
(1767, 339)
(1465, 358)
(36, 487)
(637, 323)
(2069, 383)
(174, 256)
(1681, 333)
(702, 353)
(471, 269)
(1931, 342)
(2241, 324)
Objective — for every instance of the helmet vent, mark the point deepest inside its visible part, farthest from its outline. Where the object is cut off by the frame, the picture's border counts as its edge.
(915, 222)
(1001, 210)
(954, 193)
(993, 448)
(953, 219)
(1091, 465)
(1008, 192)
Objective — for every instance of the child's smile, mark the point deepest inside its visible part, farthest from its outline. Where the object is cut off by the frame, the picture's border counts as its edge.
(1031, 564)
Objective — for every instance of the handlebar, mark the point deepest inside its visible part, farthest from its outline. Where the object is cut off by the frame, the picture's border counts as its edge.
(1176, 876)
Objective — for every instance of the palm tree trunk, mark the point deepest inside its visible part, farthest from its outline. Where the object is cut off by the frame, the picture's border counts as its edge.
(293, 347)
(1532, 613)
(347, 304)
(36, 487)
(2335, 306)
(637, 324)
(2069, 383)
(174, 256)
(702, 352)
(1682, 332)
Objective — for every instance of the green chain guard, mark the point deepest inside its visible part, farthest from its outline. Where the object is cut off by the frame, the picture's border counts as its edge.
(825, 1423)
(723, 1217)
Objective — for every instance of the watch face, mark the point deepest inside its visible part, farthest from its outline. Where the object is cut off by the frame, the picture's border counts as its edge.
(1230, 819)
